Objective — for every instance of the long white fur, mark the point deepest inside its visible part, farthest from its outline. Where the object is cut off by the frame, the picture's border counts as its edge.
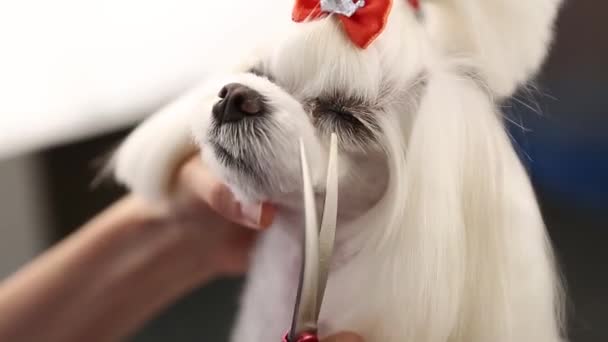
(455, 249)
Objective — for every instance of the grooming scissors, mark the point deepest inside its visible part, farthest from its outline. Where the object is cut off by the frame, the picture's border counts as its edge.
(317, 249)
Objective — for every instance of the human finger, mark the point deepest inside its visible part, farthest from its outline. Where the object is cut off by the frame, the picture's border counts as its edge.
(194, 178)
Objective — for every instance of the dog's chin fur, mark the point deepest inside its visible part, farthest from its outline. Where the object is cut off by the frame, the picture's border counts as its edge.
(440, 237)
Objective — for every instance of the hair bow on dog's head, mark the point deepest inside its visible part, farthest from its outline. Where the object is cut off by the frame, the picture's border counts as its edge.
(363, 20)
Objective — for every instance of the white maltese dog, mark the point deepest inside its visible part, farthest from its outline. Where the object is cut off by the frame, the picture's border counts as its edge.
(440, 238)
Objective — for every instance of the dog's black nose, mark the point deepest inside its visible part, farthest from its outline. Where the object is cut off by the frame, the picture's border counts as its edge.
(237, 101)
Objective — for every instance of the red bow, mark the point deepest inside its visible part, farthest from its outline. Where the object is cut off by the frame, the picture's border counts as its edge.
(362, 27)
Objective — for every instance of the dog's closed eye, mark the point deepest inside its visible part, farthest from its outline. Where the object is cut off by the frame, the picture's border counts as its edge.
(333, 112)
(351, 118)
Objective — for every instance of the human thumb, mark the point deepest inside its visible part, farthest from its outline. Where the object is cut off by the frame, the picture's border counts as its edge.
(195, 179)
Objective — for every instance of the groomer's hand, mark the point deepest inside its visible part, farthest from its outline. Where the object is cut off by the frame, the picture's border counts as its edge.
(200, 187)
(135, 256)
(224, 227)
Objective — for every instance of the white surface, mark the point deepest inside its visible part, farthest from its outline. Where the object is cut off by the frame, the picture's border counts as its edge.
(72, 68)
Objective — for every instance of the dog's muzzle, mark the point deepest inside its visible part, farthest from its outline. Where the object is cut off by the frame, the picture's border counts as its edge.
(238, 102)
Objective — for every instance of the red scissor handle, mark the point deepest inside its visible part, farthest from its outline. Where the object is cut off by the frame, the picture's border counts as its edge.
(304, 337)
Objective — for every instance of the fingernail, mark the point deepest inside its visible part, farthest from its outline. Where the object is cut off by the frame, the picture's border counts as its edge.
(267, 216)
(258, 215)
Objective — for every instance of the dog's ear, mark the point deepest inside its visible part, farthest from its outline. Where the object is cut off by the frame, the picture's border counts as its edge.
(147, 159)
(506, 39)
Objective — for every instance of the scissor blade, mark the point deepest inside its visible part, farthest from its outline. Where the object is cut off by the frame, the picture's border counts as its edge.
(305, 313)
(327, 234)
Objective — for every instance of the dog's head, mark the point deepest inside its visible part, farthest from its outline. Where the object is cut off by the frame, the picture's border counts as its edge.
(315, 81)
